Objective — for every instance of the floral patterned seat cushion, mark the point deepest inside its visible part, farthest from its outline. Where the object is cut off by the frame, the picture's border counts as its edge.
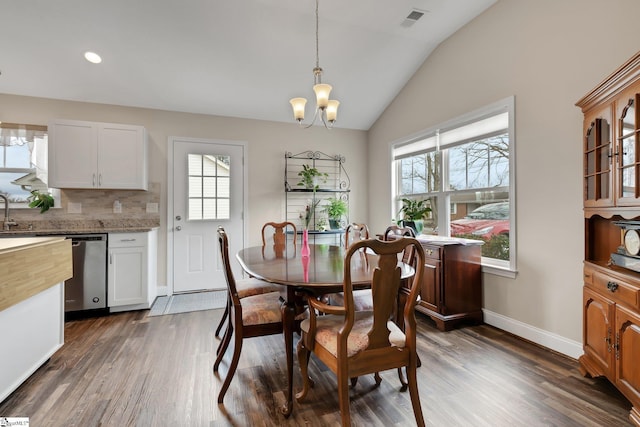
(261, 309)
(327, 328)
(250, 287)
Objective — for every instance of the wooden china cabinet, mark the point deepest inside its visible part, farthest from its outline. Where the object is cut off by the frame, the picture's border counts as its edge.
(611, 292)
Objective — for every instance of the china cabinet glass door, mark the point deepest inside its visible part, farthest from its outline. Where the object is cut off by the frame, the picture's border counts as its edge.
(598, 164)
(628, 167)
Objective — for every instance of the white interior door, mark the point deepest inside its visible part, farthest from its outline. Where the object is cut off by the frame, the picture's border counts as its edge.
(208, 191)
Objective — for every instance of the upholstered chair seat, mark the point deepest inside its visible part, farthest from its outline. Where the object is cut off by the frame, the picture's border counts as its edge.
(327, 328)
(261, 309)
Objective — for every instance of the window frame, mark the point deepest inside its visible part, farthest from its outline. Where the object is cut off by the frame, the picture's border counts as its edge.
(19, 130)
(429, 139)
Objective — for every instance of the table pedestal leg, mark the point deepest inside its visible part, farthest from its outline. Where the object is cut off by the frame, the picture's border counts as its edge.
(288, 320)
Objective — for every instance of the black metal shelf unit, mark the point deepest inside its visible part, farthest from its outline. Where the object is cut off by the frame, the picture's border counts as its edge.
(333, 183)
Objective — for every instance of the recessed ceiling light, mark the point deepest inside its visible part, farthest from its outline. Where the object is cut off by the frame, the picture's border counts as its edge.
(92, 57)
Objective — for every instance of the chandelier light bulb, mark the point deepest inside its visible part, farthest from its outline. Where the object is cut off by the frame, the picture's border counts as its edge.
(298, 105)
(332, 110)
(322, 91)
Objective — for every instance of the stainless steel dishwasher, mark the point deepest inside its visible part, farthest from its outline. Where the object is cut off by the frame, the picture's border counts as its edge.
(87, 289)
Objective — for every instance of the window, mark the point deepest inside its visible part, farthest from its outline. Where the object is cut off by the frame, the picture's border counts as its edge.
(209, 187)
(23, 162)
(464, 170)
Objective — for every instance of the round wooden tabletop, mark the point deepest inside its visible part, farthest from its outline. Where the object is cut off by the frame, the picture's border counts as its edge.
(323, 268)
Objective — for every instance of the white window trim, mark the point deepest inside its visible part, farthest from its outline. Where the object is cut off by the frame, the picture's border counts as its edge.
(505, 269)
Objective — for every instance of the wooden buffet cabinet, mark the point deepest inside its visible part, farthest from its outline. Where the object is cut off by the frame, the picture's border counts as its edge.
(611, 292)
(451, 290)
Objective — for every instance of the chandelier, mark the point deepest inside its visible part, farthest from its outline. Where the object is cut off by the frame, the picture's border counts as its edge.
(326, 109)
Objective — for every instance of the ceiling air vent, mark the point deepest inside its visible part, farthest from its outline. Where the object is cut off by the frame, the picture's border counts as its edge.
(413, 16)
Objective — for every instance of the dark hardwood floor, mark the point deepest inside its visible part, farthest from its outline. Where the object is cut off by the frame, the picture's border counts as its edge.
(132, 370)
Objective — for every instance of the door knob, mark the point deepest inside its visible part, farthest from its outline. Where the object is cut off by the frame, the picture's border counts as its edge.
(178, 217)
(178, 228)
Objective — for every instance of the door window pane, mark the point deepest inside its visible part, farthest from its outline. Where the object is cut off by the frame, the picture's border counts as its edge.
(208, 187)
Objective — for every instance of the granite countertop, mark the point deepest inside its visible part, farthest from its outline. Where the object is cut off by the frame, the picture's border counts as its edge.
(51, 228)
(57, 232)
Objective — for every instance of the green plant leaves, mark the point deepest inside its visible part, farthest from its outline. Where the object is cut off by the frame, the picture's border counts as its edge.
(308, 173)
(41, 200)
(414, 209)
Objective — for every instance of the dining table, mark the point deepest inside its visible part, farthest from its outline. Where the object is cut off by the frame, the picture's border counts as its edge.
(319, 273)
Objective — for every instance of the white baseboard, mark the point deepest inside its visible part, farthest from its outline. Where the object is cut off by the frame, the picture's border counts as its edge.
(539, 336)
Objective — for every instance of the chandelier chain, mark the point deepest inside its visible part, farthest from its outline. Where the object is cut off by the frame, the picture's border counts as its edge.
(317, 37)
(326, 109)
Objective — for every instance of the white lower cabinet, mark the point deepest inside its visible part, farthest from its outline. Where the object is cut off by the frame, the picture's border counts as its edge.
(132, 270)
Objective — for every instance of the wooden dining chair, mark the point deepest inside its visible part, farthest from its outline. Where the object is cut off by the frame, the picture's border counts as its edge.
(355, 232)
(279, 240)
(279, 230)
(251, 316)
(353, 343)
(394, 232)
(362, 299)
(249, 287)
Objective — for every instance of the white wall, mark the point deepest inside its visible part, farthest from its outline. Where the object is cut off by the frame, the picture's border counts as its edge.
(548, 53)
(267, 143)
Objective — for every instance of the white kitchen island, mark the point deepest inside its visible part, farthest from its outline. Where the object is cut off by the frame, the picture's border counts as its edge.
(32, 275)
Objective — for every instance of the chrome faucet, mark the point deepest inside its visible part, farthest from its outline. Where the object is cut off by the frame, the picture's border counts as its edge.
(7, 221)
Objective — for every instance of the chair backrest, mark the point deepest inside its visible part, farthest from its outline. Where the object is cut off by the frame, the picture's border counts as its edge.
(228, 274)
(394, 232)
(387, 290)
(354, 233)
(279, 236)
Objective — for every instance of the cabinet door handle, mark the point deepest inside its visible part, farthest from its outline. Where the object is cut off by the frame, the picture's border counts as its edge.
(94, 180)
(607, 340)
(612, 286)
(100, 180)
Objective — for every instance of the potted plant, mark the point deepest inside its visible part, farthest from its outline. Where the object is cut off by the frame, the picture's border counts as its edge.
(310, 176)
(335, 209)
(321, 224)
(42, 200)
(413, 213)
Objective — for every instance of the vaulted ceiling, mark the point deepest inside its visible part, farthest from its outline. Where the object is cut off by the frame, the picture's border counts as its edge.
(238, 58)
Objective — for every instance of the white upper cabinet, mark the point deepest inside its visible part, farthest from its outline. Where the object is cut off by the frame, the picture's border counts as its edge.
(97, 155)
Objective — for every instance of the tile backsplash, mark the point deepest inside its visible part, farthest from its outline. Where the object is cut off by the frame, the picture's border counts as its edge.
(95, 209)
